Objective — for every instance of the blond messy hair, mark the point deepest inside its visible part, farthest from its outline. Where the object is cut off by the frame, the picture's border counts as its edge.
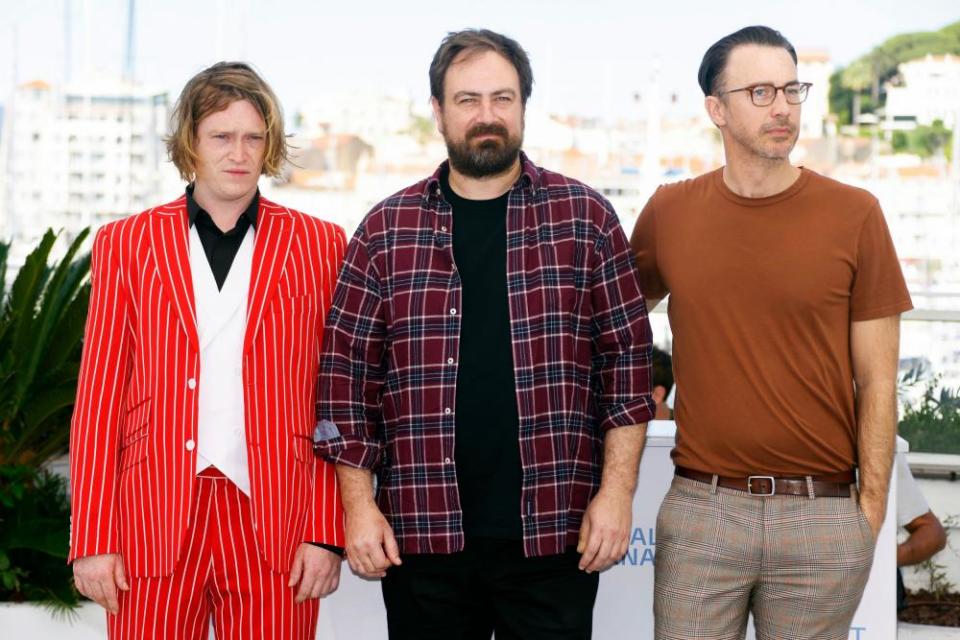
(212, 90)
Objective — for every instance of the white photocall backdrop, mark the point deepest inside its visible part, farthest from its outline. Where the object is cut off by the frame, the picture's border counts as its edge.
(624, 609)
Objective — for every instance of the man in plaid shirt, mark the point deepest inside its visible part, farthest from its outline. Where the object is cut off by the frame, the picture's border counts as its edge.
(488, 356)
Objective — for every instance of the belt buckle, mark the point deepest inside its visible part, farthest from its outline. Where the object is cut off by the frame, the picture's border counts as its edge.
(773, 485)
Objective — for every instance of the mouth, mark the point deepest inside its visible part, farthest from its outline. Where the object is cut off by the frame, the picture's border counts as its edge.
(237, 172)
(486, 136)
(780, 131)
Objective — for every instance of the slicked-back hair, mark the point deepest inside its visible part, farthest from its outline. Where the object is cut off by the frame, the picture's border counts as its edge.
(476, 40)
(212, 90)
(715, 59)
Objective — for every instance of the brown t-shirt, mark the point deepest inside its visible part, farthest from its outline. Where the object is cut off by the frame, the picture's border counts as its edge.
(762, 294)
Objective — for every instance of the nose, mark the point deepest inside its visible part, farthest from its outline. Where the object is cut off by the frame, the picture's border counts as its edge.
(780, 105)
(486, 111)
(237, 150)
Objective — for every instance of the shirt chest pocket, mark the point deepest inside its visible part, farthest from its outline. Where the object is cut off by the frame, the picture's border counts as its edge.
(556, 273)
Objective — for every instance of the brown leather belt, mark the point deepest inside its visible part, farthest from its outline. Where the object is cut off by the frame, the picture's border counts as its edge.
(836, 485)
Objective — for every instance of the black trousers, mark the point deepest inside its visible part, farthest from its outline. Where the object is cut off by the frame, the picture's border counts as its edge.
(490, 587)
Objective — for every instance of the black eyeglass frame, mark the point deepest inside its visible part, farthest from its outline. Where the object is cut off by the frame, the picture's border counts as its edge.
(804, 87)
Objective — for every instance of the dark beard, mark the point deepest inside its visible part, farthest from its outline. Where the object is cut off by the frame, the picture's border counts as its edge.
(489, 158)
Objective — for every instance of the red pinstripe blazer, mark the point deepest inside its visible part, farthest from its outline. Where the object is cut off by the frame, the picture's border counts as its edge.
(132, 469)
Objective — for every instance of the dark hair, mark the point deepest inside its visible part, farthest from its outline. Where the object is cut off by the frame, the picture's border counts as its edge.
(472, 40)
(662, 373)
(715, 59)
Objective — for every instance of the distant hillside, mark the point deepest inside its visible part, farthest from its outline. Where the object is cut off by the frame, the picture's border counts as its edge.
(859, 85)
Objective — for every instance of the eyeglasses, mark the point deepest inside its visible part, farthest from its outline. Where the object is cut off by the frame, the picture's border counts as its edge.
(763, 95)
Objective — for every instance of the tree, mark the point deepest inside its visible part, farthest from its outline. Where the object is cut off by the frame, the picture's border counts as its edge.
(41, 327)
(881, 64)
(924, 141)
(42, 317)
(856, 78)
(932, 423)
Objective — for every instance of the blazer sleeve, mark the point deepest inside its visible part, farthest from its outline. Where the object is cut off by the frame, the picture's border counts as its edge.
(325, 524)
(98, 411)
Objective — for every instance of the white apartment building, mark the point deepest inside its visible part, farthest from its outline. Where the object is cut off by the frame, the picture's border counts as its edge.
(81, 155)
(815, 66)
(925, 89)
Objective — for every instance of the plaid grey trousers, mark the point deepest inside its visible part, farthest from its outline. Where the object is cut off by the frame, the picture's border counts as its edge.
(799, 564)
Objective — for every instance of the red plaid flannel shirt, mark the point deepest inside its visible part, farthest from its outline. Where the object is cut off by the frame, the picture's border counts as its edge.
(581, 351)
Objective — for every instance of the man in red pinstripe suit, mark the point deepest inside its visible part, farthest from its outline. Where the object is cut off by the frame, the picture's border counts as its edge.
(194, 489)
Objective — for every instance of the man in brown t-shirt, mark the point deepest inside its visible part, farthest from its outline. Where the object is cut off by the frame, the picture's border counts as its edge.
(785, 297)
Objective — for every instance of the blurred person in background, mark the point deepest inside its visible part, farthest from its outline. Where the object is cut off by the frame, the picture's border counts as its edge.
(926, 536)
(662, 383)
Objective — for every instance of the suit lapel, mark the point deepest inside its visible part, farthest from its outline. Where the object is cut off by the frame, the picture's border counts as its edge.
(270, 248)
(171, 255)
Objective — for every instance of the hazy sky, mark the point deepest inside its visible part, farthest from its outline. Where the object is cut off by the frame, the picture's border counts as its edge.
(588, 57)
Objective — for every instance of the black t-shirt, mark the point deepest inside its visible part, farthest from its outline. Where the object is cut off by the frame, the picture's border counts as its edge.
(489, 472)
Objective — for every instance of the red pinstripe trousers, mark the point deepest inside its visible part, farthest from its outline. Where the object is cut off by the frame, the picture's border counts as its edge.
(221, 573)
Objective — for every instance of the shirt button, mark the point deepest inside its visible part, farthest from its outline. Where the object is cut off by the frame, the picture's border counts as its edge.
(191, 383)
(446, 460)
(443, 227)
(447, 411)
(453, 312)
(449, 360)
(191, 445)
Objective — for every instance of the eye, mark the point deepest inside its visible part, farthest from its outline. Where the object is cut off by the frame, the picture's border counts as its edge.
(504, 99)
(467, 100)
(761, 92)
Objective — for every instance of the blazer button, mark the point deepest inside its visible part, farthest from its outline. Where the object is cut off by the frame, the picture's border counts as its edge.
(191, 445)
(191, 383)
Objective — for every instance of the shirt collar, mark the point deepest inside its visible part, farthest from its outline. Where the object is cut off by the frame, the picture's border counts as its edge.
(529, 176)
(194, 209)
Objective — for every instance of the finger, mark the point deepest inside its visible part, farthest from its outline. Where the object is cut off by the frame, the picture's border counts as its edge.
(315, 591)
(584, 535)
(120, 576)
(96, 594)
(601, 559)
(329, 585)
(110, 593)
(621, 550)
(590, 551)
(306, 586)
(367, 567)
(100, 595)
(80, 585)
(296, 569)
(378, 559)
(354, 563)
(391, 547)
(311, 572)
